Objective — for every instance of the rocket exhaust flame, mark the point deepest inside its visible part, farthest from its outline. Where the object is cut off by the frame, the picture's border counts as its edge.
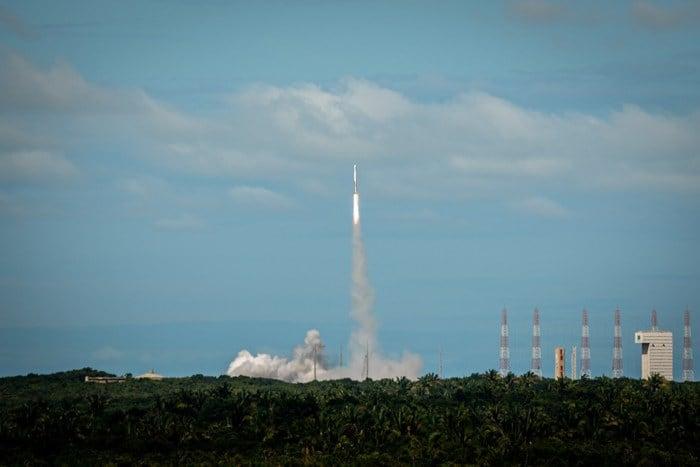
(365, 359)
(356, 209)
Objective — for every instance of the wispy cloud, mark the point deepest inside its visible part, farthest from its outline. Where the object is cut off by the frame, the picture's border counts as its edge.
(143, 186)
(541, 207)
(666, 17)
(546, 12)
(259, 197)
(540, 11)
(33, 166)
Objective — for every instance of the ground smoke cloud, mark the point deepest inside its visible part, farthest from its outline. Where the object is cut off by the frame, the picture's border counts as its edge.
(299, 368)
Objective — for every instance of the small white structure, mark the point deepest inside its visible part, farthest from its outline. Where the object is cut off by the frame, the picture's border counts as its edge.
(152, 375)
(657, 353)
(105, 379)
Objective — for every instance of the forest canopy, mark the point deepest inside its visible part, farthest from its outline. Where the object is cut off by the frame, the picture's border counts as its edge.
(482, 419)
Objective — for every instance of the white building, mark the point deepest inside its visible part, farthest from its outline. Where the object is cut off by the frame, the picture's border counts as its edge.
(657, 353)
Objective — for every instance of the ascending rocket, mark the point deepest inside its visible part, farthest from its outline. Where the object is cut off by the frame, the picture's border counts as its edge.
(355, 198)
(354, 176)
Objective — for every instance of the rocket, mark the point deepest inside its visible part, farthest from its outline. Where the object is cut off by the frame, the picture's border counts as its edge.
(355, 198)
(354, 176)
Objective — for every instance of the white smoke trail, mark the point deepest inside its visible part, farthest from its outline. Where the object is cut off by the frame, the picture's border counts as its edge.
(364, 348)
(365, 355)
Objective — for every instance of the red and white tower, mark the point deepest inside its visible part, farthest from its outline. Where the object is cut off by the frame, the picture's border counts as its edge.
(585, 346)
(617, 347)
(536, 365)
(688, 371)
(504, 361)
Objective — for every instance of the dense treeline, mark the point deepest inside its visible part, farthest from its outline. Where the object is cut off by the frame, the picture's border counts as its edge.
(482, 419)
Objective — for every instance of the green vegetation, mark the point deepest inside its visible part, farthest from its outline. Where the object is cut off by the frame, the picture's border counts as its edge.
(480, 419)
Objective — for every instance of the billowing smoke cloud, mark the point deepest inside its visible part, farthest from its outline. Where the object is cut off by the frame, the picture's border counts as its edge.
(366, 358)
(300, 368)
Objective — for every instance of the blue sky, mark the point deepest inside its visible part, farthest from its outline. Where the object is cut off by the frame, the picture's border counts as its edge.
(175, 177)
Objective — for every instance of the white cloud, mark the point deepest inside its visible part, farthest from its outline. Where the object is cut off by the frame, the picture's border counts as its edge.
(541, 207)
(304, 136)
(145, 186)
(259, 197)
(23, 166)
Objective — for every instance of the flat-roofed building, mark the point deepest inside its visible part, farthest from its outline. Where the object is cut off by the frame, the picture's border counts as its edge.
(105, 379)
(657, 353)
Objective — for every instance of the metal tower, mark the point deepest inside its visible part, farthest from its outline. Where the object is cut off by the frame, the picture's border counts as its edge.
(585, 346)
(365, 364)
(617, 347)
(504, 361)
(688, 371)
(573, 363)
(316, 349)
(536, 365)
(654, 321)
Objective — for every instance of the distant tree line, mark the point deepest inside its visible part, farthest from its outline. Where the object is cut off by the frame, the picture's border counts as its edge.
(479, 419)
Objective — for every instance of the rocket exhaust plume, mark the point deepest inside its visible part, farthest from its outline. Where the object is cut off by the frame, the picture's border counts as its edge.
(366, 359)
(355, 200)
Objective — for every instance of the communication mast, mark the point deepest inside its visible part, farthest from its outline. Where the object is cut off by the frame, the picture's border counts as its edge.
(654, 321)
(688, 371)
(536, 365)
(365, 364)
(585, 346)
(617, 347)
(504, 361)
(316, 349)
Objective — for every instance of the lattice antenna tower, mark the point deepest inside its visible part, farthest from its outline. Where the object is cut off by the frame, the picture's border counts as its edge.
(573, 363)
(617, 347)
(504, 361)
(688, 371)
(536, 365)
(365, 365)
(585, 346)
(317, 348)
